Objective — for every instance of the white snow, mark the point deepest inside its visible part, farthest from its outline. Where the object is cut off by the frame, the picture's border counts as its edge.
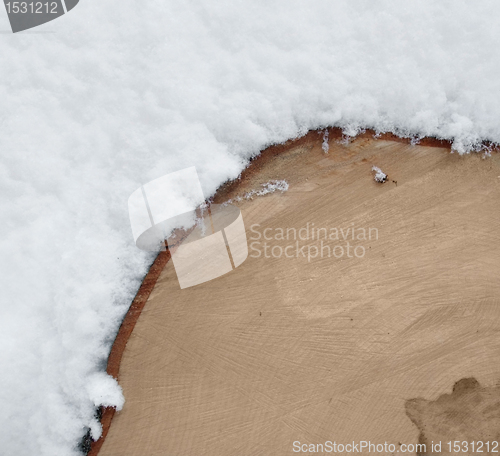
(325, 145)
(380, 176)
(267, 188)
(124, 92)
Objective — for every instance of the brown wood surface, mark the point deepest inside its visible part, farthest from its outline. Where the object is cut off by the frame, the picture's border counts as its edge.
(468, 184)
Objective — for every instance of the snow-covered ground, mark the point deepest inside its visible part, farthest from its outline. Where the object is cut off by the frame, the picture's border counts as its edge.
(125, 91)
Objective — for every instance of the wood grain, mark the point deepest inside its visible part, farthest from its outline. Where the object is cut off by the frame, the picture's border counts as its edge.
(286, 349)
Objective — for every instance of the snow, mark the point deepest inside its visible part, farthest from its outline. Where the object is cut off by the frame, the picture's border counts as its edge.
(379, 176)
(125, 92)
(267, 188)
(270, 187)
(325, 145)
